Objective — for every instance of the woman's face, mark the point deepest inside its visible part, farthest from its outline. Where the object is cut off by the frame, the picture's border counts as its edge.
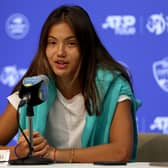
(63, 51)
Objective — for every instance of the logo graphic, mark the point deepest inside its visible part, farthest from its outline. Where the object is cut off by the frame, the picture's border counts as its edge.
(160, 72)
(161, 124)
(10, 75)
(17, 26)
(157, 24)
(122, 25)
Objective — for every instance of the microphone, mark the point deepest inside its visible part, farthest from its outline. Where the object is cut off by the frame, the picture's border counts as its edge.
(34, 90)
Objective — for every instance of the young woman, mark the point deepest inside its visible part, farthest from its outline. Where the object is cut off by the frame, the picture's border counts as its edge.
(90, 111)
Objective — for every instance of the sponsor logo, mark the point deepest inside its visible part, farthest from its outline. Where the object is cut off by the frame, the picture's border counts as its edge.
(122, 25)
(157, 24)
(160, 72)
(161, 124)
(17, 26)
(10, 75)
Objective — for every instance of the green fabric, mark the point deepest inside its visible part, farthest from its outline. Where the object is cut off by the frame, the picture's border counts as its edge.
(96, 130)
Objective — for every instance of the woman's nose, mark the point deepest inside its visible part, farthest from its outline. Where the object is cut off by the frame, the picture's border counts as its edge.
(61, 50)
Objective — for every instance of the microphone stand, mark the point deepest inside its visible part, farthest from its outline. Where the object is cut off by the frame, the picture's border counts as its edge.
(30, 159)
(30, 114)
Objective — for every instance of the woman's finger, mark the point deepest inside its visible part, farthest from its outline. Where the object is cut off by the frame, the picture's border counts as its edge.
(42, 152)
(22, 149)
(41, 145)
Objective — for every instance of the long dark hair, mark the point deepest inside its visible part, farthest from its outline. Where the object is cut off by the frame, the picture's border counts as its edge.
(92, 52)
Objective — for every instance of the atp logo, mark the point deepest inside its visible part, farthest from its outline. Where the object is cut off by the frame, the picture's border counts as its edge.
(161, 124)
(160, 72)
(157, 24)
(17, 26)
(122, 25)
(10, 75)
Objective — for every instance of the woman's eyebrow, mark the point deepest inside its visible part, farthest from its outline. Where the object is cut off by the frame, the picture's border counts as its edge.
(67, 38)
(70, 37)
(52, 37)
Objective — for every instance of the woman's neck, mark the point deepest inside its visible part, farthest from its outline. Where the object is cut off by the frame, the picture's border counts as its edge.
(68, 88)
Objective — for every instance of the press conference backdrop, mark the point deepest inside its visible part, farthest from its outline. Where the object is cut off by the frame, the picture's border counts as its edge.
(134, 32)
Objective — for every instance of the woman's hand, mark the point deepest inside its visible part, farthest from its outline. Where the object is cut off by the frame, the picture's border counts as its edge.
(41, 147)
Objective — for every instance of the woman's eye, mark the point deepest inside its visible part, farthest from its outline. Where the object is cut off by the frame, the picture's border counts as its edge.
(72, 43)
(51, 42)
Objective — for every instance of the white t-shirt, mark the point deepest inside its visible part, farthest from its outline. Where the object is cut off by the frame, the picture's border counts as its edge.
(66, 119)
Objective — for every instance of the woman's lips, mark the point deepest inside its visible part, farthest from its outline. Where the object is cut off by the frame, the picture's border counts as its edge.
(61, 64)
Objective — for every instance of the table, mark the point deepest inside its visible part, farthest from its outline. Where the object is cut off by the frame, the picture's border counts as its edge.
(83, 165)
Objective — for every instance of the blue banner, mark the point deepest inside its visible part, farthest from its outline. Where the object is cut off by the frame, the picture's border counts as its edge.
(135, 33)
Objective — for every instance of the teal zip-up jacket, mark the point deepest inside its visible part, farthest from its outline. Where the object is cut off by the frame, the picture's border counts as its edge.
(96, 130)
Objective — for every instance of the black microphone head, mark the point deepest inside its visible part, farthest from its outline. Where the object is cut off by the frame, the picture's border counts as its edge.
(31, 94)
(34, 90)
